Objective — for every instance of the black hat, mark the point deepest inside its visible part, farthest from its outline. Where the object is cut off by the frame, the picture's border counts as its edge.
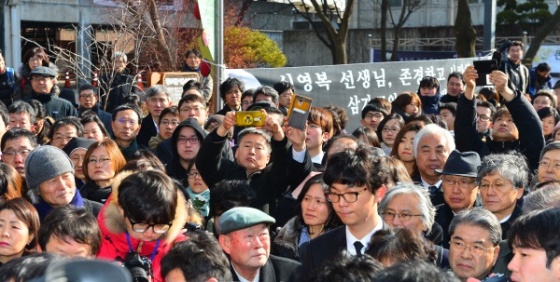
(76, 143)
(461, 164)
(43, 71)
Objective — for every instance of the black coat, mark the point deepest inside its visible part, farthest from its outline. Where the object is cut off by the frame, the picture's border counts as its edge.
(54, 106)
(276, 269)
(93, 192)
(147, 131)
(531, 139)
(122, 85)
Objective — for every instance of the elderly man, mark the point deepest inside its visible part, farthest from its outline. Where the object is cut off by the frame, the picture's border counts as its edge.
(535, 259)
(245, 238)
(408, 206)
(42, 81)
(475, 243)
(157, 99)
(49, 174)
(516, 127)
(502, 179)
(119, 83)
(432, 146)
(459, 187)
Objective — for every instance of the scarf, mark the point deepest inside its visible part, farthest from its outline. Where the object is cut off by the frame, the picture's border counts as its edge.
(44, 208)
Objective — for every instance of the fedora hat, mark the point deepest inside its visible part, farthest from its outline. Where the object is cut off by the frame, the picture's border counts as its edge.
(461, 164)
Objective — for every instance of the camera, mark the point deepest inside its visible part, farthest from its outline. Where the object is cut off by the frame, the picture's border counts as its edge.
(250, 118)
(140, 267)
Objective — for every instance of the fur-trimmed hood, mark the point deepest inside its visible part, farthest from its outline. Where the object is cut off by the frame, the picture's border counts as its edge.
(114, 221)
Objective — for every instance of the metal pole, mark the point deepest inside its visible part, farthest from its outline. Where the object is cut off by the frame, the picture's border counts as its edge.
(219, 49)
(489, 24)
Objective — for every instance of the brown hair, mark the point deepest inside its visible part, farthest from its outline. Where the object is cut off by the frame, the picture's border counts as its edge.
(406, 98)
(10, 181)
(323, 118)
(117, 158)
(27, 213)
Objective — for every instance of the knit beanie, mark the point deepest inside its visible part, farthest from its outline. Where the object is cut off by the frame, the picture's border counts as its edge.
(44, 163)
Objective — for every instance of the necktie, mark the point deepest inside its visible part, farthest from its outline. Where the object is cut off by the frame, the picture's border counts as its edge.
(433, 190)
(358, 245)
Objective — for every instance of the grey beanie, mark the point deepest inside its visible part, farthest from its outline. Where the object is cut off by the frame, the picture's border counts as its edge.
(44, 163)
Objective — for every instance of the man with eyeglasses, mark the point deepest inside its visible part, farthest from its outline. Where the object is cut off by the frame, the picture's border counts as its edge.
(484, 113)
(475, 244)
(357, 183)
(89, 100)
(460, 189)
(16, 145)
(157, 99)
(42, 81)
(372, 115)
(185, 142)
(126, 125)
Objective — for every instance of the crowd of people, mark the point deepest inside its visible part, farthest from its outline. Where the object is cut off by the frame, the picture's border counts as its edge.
(457, 187)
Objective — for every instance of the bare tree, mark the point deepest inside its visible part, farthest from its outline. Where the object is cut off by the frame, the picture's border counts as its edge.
(408, 7)
(332, 37)
(550, 26)
(465, 33)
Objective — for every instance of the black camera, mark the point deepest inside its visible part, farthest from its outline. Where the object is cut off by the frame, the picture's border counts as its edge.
(140, 267)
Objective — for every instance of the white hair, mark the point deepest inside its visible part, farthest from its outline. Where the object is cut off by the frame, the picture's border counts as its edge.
(434, 129)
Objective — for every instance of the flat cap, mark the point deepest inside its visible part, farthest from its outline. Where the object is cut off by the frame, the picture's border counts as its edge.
(43, 71)
(242, 217)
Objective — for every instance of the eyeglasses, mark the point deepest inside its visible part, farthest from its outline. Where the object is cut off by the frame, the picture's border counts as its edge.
(555, 166)
(192, 140)
(483, 117)
(130, 121)
(141, 227)
(168, 122)
(374, 115)
(193, 175)
(463, 183)
(100, 160)
(498, 186)
(13, 153)
(40, 79)
(85, 96)
(391, 129)
(349, 197)
(403, 217)
(476, 249)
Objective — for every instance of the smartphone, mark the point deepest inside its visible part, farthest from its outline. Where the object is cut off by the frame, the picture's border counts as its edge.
(298, 111)
(484, 68)
(250, 118)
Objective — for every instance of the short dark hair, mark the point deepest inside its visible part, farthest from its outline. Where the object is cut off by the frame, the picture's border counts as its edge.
(544, 66)
(382, 124)
(193, 51)
(414, 271)
(458, 75)
(369, 135)
(125, 107)
(266, 91)
(228, 194)
(40, 111)
(133, 99)
(429, 81)
(549, 112)
(406, 98)
(148, 196)
(488, 105)
(191, 84)
(28, 268)
(356, 167)
(144, 160)
(332, 219)
(282, 86)
(198, 258)
(228, 84)
(450, 106)
(343, 267)
(69, 120)
(340, 118)
(15, 133)
(21, 107)
(537, 230)
(383, 103)
(71, 223)
(192, 98)
(517, 43)
(400, 245)
(87, 87)
(169, 110)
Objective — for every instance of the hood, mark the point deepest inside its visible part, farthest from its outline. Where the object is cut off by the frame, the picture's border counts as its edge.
(114, 221)
(192, 123)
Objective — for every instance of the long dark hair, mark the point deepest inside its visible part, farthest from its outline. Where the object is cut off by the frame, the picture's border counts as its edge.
(332, 220)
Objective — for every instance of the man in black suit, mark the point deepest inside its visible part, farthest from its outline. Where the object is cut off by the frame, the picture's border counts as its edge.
(244, 237)
(357, 183)
(459, 186)
(157, 100)
(432, 146)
